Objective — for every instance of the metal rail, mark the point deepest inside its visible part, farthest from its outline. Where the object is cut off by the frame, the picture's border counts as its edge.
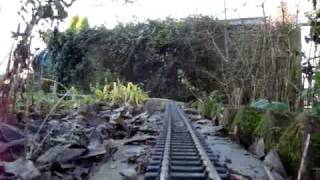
(165, 162)
(181, 153)
(213, 174)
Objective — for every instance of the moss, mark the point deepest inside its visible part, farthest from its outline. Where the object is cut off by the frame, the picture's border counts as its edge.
(247, 119)
(290, 144)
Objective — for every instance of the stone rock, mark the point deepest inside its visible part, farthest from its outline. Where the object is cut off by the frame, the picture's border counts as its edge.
(237, 177)
(138, 139)
(22, 168)
(61, 154)
(104, 130)
(152, 105)
(154, 118)
(276, 176)
(106, 114)
(114, 117)
(120, 109)
(191, 111)
(258, 148)
(19, 143)
(88, 111)
(227, 160)
(195, 117)
(129, 109)
(142, 116)
(204, 122)
(272, 160)
(80, 117)
(129, 174)
(127, 115)
(138, 109)
(9, 133)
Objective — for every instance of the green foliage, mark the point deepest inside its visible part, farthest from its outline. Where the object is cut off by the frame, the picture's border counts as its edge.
(134, 94)
(210, 106)
(267, 129)
(78, 24)
(155, 52)
(315, 147)
(316, 108)
(73, 23)
(68, 52)
(68, 66)
(247, 119)
(103, 94)
(314, 20)
(150, 53)
(78, 99)
(291, 144)
(82, 24)
(120, 93)
(43, 102)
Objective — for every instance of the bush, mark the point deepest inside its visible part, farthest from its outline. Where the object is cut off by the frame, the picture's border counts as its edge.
(267, 129)
(291, 144)
(247, 119)
(152, 53)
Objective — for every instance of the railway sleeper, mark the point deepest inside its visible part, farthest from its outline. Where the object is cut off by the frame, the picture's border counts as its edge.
(184, 158)
(186, 163)
(188, 176)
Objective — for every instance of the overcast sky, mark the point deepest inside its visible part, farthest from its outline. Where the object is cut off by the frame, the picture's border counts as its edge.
(110, 12)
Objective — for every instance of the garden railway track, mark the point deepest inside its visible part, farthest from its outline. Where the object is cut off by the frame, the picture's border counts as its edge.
(181, 153)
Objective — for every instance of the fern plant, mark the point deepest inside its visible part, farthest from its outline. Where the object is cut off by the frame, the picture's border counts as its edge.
(135, 94)
(103, 94)
(118, 92)
(210, 106)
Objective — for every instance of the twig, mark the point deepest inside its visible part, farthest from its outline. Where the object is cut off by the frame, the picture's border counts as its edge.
(43, 141)
(217, 47)
(302, 164)
(45, 120)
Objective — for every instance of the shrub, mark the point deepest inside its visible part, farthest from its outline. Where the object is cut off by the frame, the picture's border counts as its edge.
(291, 144)
(267, 129)
(247, 119)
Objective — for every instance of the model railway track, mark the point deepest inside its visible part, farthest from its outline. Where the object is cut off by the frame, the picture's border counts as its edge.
(181, 153)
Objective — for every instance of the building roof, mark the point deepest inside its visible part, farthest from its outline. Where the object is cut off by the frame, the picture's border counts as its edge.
(247, 21)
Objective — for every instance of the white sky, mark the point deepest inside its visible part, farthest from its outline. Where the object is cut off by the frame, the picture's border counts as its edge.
(110, 12)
